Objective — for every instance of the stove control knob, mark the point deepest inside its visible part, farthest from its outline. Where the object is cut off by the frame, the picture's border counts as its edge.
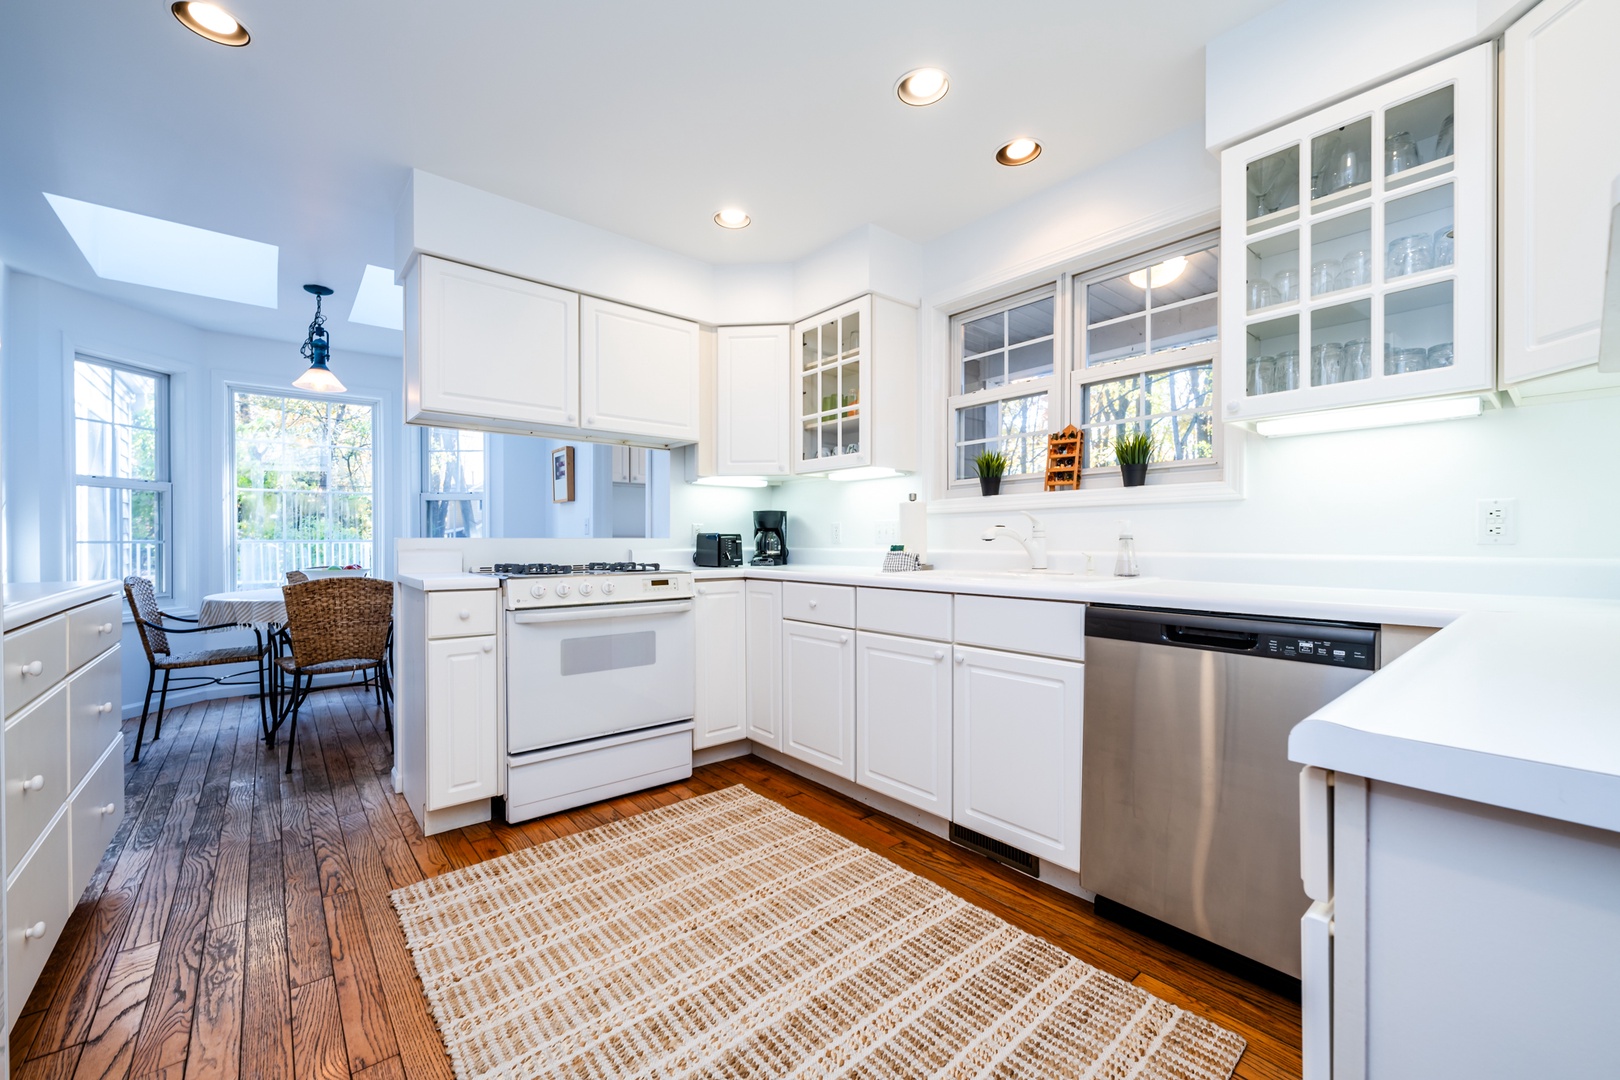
(584, 588)
(607, 588)
(562, 590)
(537, 591)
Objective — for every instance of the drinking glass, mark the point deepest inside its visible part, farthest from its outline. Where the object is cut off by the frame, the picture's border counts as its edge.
(1400, 153)
(1405, 360)
(1439, 355)
(1261, 294)
(1287, 374)
(1445, 246)
(1326, 360)
(1357, 360)
(1260, 375)
(1408, 255)
(1347, 168)
(1324, 275)
(1287, 285)
(1357, 268)
(1446, 144)
(1325, 181)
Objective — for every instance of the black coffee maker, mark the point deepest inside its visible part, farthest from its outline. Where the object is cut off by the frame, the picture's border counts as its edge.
(770, 538)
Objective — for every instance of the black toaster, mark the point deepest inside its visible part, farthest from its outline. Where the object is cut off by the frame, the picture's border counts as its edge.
(718, 549)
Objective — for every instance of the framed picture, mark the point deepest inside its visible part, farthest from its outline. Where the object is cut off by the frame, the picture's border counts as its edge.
(562, 475)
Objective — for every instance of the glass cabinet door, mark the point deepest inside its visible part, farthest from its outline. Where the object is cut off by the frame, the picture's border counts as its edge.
(831, 353)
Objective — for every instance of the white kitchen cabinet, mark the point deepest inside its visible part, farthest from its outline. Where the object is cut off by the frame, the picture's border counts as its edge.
(629, 465)
(638, 372)
(751, 428)
(763, 602)
(818, 696)
(1560, 152)
(720, 618)
(855, 397)
(1337, 287)
(489, 348)
(462, 681)
(1016, 751)
(903, 719)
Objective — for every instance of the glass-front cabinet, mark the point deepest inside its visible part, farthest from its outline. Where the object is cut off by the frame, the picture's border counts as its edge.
(1358, 248)
(833, 351)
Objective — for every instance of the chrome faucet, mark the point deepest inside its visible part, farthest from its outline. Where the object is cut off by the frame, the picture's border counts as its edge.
(1034, 543)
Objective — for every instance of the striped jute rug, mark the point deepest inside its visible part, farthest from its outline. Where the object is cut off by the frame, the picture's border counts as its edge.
(725, 936)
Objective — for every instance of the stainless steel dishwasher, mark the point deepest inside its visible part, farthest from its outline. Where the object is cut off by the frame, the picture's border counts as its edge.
(1189, 804)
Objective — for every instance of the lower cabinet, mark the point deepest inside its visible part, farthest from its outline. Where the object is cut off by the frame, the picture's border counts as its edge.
(818, 696)
(463, 678)
(38, 902)
(1017, 751)
(903, 719)
(763, 603)
(722, 694)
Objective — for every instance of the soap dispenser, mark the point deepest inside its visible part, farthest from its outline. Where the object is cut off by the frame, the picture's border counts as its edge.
(1125, 561)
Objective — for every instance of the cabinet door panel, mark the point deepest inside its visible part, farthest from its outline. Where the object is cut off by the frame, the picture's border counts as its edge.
(94, 716)
(497, 347)
(1017, 751)
(903, 720)
(818, 695)
(751, 431)
(764, 622)
(722, 698)
(462, 721)
(639, 372)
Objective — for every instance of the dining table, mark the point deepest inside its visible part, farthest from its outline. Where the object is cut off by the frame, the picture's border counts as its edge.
(243, 607)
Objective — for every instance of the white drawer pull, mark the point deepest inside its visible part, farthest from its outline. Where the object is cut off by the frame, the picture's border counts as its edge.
(465, 615)
(33, 668)
(104, 628)
(35, 931)
(110, 808)
(938, 655)
(34, 783)
(489, 648)
(813, 604)
(842, 638)
(104, 707)
(961, 659)
(703, 590)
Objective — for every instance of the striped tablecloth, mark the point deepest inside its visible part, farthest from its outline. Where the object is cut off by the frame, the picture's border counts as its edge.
(248, 607)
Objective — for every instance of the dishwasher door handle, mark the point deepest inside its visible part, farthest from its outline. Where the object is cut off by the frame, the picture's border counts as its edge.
(1209, 638)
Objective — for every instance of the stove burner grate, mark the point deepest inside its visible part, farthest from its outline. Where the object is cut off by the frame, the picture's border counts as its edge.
(556, 569)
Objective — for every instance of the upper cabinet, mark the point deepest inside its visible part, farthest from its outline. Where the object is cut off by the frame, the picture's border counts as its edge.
(855, 387)
(492, 351)
(751, 436)
(1358, 248)
(1560, 153)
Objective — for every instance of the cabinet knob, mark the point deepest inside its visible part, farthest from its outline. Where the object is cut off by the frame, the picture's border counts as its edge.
(104, 707)
(842, 638)
(703, 590)
(938, 655)
(33, 668)
(35, 931)
(590, 419)
(104, 628)
(34, 783)
(569, 418)
(489, 647)
(961, 659)
(464, 615)
(110, 808)
(813, 605)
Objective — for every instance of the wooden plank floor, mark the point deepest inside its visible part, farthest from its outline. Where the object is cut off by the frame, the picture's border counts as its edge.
(239, 925)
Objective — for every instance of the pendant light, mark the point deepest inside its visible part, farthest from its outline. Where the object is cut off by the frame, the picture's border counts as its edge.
(317, 349)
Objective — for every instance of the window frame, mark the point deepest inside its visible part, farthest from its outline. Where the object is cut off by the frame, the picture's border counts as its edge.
(424, 463)
(163, 438)
(1052, 384)
(379, 417)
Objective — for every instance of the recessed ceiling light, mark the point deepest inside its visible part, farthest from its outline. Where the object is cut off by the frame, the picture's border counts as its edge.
(924, 86)
(1019, 152)
(121, 246)
(210, 21)
(732, 218)
(1162, 274)
(378, 301)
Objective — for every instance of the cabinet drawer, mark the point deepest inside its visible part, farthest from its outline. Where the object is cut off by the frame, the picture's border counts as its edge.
(462, 614)
(93, 629)
(830, 605)
(36, 752)
(38, 896)
(96, 810)
(904, 612)
(1041, 627)
(36, 660)
(93, 715)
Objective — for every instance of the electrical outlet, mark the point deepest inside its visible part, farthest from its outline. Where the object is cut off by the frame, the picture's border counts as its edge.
(885, 533)
(698, 529)
(836, 533)
(1497, 521)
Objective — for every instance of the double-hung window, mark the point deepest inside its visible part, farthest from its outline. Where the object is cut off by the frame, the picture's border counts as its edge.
(1145, 348)
(304, 478)
(1003, 376)
(121, 496)
(455, 478)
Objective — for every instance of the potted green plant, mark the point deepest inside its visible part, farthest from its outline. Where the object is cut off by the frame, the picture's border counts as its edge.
(1133, 451)
(990, 466)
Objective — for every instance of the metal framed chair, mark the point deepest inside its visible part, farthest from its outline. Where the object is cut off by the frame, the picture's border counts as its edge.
(334, 625)
(154, 626)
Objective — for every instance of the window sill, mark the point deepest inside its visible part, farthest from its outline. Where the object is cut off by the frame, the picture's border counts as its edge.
(968, 501)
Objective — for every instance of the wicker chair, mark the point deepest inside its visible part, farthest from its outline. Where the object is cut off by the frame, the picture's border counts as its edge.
(335, 625)
(154, 627)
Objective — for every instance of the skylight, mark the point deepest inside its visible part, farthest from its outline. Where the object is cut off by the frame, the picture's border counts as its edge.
(121, 246)
(379, 302)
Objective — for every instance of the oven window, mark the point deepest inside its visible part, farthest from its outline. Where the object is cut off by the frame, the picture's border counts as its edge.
(608, 652)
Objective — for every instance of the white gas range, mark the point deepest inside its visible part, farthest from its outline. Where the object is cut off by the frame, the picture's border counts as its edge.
(600, 681)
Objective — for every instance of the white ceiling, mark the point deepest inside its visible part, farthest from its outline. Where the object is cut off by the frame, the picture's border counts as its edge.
(639, 116)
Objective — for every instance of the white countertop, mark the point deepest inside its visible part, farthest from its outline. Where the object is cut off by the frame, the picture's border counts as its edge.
(448, 582)
(1519, 710)
(30, 601)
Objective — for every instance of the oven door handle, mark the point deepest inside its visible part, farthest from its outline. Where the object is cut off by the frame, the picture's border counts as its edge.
(597, 612)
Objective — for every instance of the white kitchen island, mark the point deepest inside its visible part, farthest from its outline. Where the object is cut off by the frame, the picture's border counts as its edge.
(1462, 843)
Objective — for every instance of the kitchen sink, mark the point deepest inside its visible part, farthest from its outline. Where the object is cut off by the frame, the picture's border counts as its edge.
(1063, 577)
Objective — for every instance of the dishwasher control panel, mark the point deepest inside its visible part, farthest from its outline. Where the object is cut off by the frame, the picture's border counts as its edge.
(1315, 650)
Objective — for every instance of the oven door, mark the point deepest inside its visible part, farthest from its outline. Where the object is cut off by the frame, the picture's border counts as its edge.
(578, 673)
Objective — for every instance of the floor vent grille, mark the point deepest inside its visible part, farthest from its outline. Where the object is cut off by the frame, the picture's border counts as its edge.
(992, 848)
